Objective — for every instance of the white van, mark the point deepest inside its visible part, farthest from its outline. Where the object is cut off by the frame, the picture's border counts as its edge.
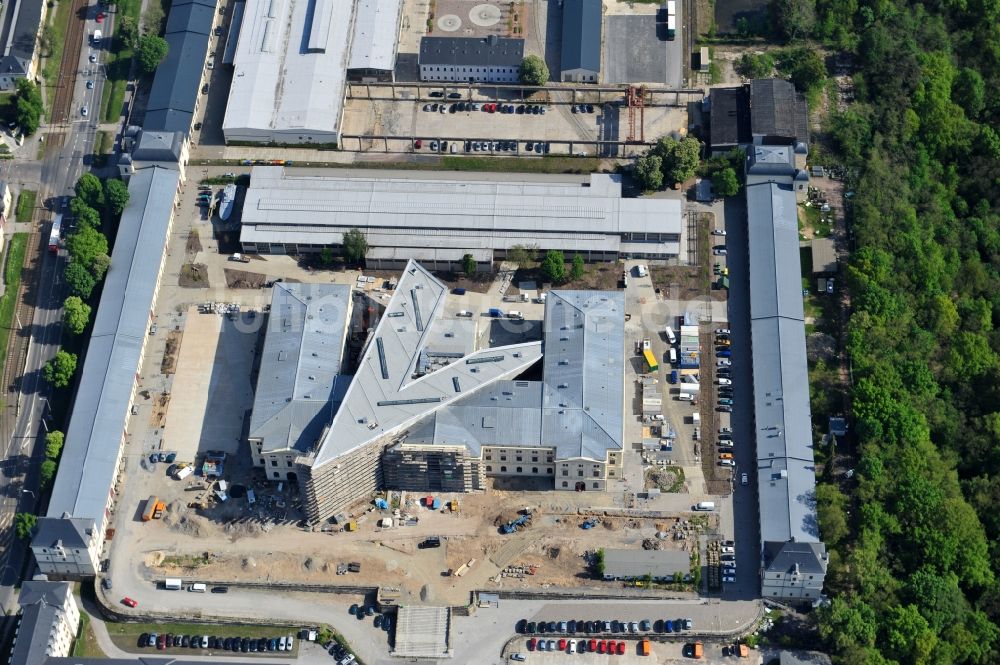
(704, 505)
(671, 337)
(514, 314)
(641, 270)
(173, 584)
(463, 312)
(197, 587)
(686, 397)
(673, 356)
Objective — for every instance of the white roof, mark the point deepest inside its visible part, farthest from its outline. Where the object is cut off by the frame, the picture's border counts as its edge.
(289, 67)
(463, 210)
(393, 388)
(376, 28)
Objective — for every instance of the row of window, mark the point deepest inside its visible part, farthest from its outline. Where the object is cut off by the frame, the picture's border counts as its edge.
(517, 458)
(469, 70)
(595, 486)
(520, 469)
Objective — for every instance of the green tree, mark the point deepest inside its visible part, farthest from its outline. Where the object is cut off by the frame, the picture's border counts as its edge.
(680, 158)
(522, 255)
(126, 30)
(28, 106)
(59, 371)
(355, 247)
(553, 267)
(469, 265)
(24, 524)
(54, 444)
(793, 19)
(968, 90)
(46, 473)
(725, 182)
(577, 268)
(151, 51)
(116, 193)
(325, 256)
(76, 314)
(599, 562)
(88, 218)
(807, 70)
(80, 280)
(649, 172)
(534, 71)
(755, 65)
(90, 190)
(86, 245)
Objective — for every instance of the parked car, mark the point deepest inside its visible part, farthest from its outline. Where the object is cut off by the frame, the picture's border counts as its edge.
(725, 401)
(718, 232)
(161, 642)
(728, 579)
(129, 602)
(723, 362)
(723, 381)
(744, 479)
(724, 408)
(727, 462)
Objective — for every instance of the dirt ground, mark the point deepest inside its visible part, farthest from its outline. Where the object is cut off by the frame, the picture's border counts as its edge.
(194, 276)
(241, 279)
(238, 548)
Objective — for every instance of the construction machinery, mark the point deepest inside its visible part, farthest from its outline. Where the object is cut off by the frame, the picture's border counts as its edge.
(515, 525)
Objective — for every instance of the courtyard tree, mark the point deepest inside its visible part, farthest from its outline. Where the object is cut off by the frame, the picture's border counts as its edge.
(469, 265)
(725, 183)
(649, 172)
(577, 268)
(553, 267)
(355, 247)
(534, 71)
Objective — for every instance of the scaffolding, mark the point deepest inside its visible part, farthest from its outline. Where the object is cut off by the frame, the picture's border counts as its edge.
(636, 98)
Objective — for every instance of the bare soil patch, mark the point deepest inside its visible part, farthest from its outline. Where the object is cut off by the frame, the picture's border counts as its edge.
(193, 245)
(241, 279)
(169, 363)
(158, 417)
(193, 276)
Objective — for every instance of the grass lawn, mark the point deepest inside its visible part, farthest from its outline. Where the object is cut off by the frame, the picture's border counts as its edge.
(821, 224)
(517, 165)
(126, 635)
(7, 109)
(117, 63)
(25, 205)
(12, 278)
(85, 645)
(58, 25)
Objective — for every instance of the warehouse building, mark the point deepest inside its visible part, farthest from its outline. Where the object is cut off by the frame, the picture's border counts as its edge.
(374, 41)
(22, 24)
(793, 558)
(173, 97)
(69, 538)
(407, 215)
(471, 59)
(581, 41)
(763, 112)
(660, 565)
(299, 384)
(289, 72)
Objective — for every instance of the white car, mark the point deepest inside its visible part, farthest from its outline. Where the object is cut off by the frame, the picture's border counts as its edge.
(725, 382)
(726, 549)
(204, 641)
(723, 362)
(518, 656)
(722, 331)
(728, 579)
(726, 462)
(725, 443)
(720, 251)
(744, 479)
(572, 646)
(718, 232)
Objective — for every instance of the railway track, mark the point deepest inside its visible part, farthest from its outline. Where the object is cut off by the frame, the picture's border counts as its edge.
(62, 103)
(24, 313)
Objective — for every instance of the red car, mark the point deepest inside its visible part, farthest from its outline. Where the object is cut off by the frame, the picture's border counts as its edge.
(128, 601)
(418, 144)
(602, 647)
(621, 649)
(100, 17)
(531, 644)
(562, 645)
(592, 646)
(161, 642)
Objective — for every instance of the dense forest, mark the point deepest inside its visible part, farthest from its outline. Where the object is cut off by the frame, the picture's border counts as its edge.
(915, 535)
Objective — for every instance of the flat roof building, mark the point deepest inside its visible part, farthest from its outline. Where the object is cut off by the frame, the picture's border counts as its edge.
(298, 211)
(83, 490)
(375, 40)
(471, 59)
(581, 41)
(289, 72)
(637, 564)
(824, 256)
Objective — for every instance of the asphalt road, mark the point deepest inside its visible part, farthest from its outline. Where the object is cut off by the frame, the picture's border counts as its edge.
(744, 503)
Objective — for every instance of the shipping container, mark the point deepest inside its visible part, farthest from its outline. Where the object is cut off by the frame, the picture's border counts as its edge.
(650, 360)
(173, 584)
(151, 502)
